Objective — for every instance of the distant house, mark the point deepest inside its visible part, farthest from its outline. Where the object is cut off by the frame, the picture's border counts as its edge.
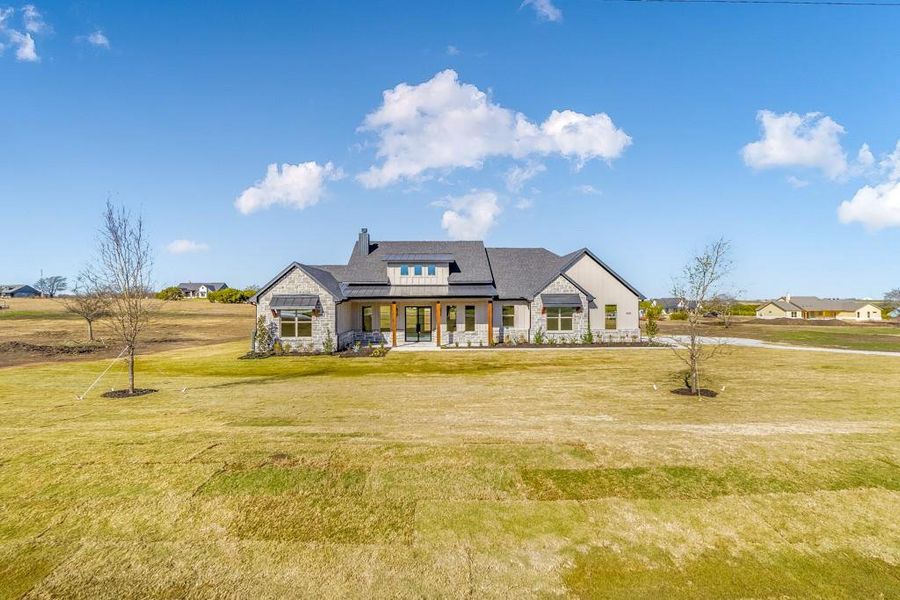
(200, 290)
(673, 305)
(895, 314)
(17, 290)
(813, 308)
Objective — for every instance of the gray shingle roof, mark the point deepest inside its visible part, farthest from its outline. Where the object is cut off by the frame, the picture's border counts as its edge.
(470, 261)
(412, 257)
(520, 272)
(211, 286)
(813, 303)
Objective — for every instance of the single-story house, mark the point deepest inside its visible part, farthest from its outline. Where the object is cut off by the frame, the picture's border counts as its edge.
(447, 292)
(812, 307)
(200, 290)
(17, 290)
(672, 305)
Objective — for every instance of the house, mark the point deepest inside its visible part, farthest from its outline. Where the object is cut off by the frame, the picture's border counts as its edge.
(812, 308)
(200, 290)
(17, 290)
(894, 314)
(673, 305)
(447, 292)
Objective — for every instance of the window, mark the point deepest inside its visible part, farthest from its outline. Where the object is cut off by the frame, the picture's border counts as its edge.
(470, 318)
(432, 270)
(793, 313)
(451, 318)
(418, 269)
(559, 318)
(509, 316)
(611, 311)
(404, 270)
(296, 323)
(384, 317)
(367, 318)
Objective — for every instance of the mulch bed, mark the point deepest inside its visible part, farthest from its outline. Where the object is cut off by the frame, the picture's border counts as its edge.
(127, 394)
(705, 393)
(550, 346)
(365, 352)
(47, 350)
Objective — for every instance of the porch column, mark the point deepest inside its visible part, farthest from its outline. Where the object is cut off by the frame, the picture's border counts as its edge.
(393, 323)
(490, 322)
(438, 322)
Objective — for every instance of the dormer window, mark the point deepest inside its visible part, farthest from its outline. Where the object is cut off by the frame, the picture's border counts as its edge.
(432, 271)
(404, 270)
(418, 270)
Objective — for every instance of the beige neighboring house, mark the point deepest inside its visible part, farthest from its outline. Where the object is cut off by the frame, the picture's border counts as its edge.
(448, 293)
(812, 308)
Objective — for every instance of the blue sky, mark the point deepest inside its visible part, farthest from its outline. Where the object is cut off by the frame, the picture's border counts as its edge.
(657, 146)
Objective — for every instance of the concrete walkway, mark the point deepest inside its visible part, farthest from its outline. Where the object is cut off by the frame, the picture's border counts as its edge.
(680, 340)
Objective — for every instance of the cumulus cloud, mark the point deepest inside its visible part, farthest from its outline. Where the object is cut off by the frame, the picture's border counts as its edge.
(297, 186)
(545, 10)
(471, 216)
(21, 39)
(445, 124)
(186, 247)
(518, 175)
(793, 140)
(99, 39)
(876, 207)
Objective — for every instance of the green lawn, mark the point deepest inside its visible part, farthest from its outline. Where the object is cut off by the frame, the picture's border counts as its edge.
(454, 474)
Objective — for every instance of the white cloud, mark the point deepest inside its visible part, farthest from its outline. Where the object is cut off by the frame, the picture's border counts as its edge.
(793, 140)
(524, 203)
(876, 207)
(452, 50)
(796, 182)
(22, 40)
(587, 189)
(99, 39)
(297, 186)
(890, 164)
(518, 175)
(186, 246)
(545, 10)
(445, 124)
(470, 217)
(34, 21)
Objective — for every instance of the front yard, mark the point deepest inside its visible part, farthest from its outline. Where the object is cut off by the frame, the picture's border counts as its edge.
(452, 474)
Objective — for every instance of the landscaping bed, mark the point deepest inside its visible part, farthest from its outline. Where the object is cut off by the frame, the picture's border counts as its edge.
(640, 344)
(52, 349)
(126, 394)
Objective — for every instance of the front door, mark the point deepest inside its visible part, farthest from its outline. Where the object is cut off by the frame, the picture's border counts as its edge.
(418, 324)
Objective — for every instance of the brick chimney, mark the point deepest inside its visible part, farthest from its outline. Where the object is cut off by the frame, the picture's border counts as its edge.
(364, 246)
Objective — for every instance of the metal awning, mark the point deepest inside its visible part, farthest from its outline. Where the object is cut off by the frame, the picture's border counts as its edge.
(299, 301)
(561, 300)
(419, 257)
(419, 291)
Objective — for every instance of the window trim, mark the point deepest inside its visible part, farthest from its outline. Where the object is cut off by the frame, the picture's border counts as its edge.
(469, 308)
(504, 316)
(558, 315)
(614, 318)
(296, 318)
(363, 318)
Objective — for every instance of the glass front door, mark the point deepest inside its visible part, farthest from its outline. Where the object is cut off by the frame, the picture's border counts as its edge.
(418, 324)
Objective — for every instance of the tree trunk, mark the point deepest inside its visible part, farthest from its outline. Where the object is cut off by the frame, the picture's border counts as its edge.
(90, 330)
(131, 370)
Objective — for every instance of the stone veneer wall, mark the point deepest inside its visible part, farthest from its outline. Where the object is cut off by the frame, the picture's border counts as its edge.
(323, 322)
(560, 285)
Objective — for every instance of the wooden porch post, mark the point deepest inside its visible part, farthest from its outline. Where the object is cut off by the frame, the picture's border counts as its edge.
(438, 316)
(490, 322)
(393, 324)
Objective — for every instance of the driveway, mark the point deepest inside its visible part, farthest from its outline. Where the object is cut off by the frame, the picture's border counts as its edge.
(680, 340)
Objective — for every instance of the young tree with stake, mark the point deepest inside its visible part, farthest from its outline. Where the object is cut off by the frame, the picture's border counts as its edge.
(124, 263)
(697, 285)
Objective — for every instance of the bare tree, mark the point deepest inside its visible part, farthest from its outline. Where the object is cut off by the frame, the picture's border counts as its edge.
(124, 263)
(51, 286)
(90, 301)
(696, 286)
(893, 296)
(723, 305)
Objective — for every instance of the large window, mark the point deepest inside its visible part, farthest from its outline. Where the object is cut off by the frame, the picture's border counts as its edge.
(559, 318)
(432, 271)
(296, 323)
(451, 318)
(509, 316)
(367, 318)
(470, 318)
(404, 270)
(611, 312)
(384, 317)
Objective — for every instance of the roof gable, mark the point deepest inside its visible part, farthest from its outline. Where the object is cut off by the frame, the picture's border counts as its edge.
(318, 274)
